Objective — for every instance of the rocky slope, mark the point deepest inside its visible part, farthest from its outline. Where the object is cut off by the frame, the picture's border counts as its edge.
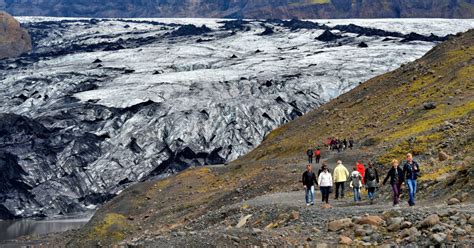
(80, 123)
(14, 40)
(257, 200)
(246, 8)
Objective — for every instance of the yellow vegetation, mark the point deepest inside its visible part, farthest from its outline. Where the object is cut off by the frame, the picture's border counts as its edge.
(112, 228)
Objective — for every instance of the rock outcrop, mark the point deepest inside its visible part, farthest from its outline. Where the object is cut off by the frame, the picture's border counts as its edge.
(14, 40)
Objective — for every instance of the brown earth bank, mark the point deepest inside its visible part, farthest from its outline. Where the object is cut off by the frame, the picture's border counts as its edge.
(14, 40)
(425, 107)
(260, 9)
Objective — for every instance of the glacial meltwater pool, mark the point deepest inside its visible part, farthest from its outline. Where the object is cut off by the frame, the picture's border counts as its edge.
(13, 229)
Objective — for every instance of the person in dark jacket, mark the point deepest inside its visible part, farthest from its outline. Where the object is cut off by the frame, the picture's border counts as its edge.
(371, 179)
(411, 171)
(309, 180)
(309, 152)
(396, 179)
(351, 143)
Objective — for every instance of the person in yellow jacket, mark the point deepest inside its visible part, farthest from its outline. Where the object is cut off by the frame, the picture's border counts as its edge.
(340, 177)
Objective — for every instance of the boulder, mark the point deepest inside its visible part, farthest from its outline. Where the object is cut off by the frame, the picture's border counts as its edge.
(442, 156)
(439, 238)
(453, 201)
(410, 232)
(406, 224)
(429, 105)
(370, 220)
(14, 40)
(337, 225)
(294, 215)
(430, 221)
(471, 220)
(344, 240)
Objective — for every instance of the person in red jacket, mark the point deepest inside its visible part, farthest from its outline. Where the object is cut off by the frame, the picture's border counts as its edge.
(361, 170)
(317, 154)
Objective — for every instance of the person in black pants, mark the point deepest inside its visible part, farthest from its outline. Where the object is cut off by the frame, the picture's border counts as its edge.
(396, 179)
(309, 152)
(325, 183)
(317, 153)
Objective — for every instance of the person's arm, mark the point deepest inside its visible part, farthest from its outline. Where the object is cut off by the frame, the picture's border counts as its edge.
(386, 177)
(376, 175)
(319, 179)
(302, 180)
(401, 177)
(314, 179)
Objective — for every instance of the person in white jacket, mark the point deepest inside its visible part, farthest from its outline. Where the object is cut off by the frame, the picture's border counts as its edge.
(325, 184)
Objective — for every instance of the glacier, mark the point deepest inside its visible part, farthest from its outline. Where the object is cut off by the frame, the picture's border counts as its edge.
(101, 104)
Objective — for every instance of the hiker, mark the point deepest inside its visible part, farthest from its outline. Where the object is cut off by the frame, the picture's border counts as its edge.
(325, 184)
(396, 179)
(323, 166)
(361, 170)
(333, 144)
(411, 171)
(371, 179)
(339, 146)
(356, 183)
(309, 180)
(351, 143)
(344, 142)
(309, 152)
(321, 169)
(329, 143)
(341, 174)
(317, 154)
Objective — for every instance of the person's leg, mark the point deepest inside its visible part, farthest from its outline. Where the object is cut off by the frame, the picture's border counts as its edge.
(359, 194)
(370, 193)
(410, 191)
(399, 192)
(312, 194)
(342, 190)
(337, 190)
(354, 190)
(306, 196)
(326, 194)
(322, 193)
(414, 191)
(395, 194)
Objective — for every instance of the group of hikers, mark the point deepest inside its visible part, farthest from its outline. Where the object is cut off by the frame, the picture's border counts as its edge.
(359, 178)
(335, 144)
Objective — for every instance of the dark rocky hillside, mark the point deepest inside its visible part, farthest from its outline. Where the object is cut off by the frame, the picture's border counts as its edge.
(245, 8)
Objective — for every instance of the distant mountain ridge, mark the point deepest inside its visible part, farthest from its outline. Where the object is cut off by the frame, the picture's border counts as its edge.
(264, 9)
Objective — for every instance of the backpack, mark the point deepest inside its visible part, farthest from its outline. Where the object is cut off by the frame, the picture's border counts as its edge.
(318, 152)
(356, 179)
(370, 174)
